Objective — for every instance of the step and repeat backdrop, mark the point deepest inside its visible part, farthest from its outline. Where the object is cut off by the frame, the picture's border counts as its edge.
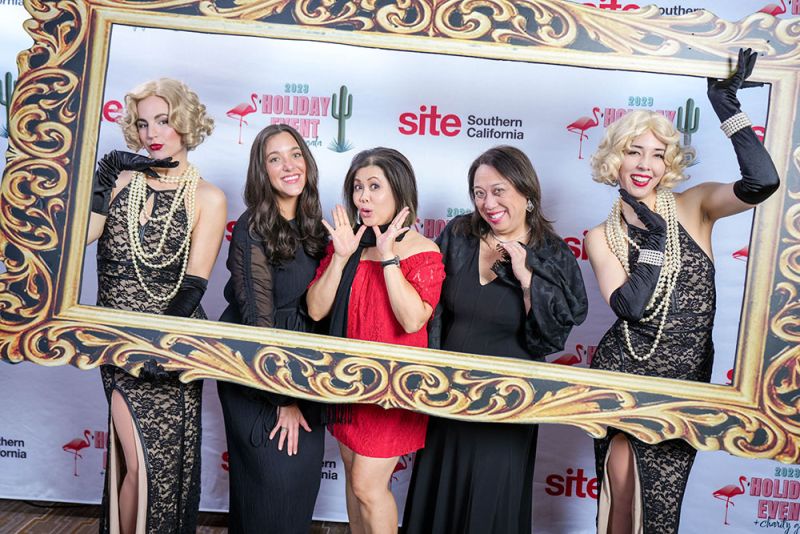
(441, 111)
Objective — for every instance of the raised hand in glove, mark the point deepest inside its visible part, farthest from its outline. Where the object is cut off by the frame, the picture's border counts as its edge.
(630, 299)
(759, 176)
(722, 93)
(109, 167)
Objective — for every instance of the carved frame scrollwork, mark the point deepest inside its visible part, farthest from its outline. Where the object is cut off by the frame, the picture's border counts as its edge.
(45, 191)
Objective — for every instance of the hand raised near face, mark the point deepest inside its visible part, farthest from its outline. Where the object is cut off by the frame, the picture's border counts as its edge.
(384, 241)
(518, 254)
(722, 93)
(117, 161)
(654, 223)
(344, 240)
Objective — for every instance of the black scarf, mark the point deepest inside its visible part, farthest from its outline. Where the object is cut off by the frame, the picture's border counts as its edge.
(341, 302)
(342, 413)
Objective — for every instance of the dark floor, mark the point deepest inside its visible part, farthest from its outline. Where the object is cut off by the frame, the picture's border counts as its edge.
(32, 517)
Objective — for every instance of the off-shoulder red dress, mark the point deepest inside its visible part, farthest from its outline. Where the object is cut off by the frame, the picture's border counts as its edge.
(373, 431)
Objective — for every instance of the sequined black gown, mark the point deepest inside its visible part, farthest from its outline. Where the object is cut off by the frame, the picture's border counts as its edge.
(166, 412)
(685, 352)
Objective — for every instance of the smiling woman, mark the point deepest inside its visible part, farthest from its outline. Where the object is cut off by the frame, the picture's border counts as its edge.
(654, 266)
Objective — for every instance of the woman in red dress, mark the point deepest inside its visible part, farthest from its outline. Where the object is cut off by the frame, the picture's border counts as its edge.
(378, 282)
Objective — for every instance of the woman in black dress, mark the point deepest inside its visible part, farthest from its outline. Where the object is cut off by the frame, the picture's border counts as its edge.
(275, 443)
(512, 289)
(654, 266)
(159, 227)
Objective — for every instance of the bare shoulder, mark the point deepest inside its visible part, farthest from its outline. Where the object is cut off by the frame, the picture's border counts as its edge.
(123, 179)
(596, 234)
(416, 243)
(596, 243)
(209, 195)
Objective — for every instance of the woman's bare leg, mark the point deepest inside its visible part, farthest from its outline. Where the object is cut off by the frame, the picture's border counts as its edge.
(620, 476)
(353, 509)
(369, 480)
(129, 490)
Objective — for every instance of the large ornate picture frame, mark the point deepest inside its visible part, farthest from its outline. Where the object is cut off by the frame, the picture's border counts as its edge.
(46, 190)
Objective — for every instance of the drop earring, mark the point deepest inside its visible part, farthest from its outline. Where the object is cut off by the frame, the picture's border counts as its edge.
(529, 206)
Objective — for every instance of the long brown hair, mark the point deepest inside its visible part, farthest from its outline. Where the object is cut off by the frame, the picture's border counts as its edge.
(514, 166)
(280, 239)
(399, 174)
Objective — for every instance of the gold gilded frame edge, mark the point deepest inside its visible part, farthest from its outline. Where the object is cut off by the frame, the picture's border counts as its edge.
(756, 417)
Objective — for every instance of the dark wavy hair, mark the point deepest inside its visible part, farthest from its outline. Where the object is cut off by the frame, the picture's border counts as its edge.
(280, 238)
(514, 166)
(398, 172)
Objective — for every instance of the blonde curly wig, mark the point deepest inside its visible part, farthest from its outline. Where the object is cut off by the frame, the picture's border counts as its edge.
(607, 161)
(187, 115)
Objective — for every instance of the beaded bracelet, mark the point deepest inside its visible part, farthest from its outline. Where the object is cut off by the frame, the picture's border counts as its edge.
(733, 124)
(653, 257)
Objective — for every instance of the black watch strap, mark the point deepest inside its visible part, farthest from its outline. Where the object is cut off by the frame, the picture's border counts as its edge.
(393, 261)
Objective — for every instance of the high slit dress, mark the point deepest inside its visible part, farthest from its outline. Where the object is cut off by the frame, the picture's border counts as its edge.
(685, 352)
(165, 412)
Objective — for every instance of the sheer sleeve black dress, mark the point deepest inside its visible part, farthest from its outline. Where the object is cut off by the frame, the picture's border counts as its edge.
(270, 491)
(166, 412)
(478, 477)
(685, 352)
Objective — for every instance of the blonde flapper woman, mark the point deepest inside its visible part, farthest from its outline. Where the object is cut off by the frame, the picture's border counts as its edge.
(654, 266)
(158, 227)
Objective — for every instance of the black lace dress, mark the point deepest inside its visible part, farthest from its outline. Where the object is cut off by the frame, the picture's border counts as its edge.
(166, 412)
(270, 491)
(685, 352)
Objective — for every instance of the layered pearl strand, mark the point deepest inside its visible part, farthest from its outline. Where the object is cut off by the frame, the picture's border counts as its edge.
(618, 242)
(137, 199)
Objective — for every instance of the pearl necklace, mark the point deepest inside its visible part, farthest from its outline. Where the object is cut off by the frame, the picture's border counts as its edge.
(186, 192)
(618, 242)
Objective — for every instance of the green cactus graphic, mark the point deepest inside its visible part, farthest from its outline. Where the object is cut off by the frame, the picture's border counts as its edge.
(5, 100)
(687, 126)
(341, 110)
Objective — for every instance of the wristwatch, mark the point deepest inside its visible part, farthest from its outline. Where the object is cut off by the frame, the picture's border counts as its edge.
(393, 261)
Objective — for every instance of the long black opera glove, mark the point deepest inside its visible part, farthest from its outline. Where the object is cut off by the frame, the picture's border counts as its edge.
(630, 299)
(182, 304)
(186, 300)
(759, 177)
(109, 167)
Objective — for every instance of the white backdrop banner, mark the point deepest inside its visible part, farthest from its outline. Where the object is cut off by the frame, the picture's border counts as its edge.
(441, 111)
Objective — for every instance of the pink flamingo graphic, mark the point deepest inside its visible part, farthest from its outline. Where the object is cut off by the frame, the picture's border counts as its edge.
(572, 359)
(581, 125)
(729, 492)
(241, 111)
(774, 9)
(75, 446)
(741, 254)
